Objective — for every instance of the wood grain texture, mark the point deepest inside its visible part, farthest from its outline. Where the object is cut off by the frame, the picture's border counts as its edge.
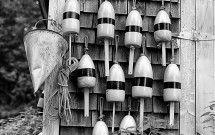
(65, 130)
(187, 67)
(140, 6)
(205, 65)
(89, 6)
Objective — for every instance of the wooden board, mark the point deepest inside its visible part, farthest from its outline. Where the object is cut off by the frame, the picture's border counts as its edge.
(187, 49)
(205, 69)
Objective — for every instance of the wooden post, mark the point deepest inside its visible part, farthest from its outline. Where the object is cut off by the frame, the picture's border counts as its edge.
(187, 68)
(52, 127)
(205, 69)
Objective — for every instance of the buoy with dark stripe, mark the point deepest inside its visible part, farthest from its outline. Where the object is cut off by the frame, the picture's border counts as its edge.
(142, 82)
(128, 124)
(162, 31)
(100, 127)
(133, 35)
(172, 87)
(115, 84)
(86, 77)
(71, 15)
(105, 28)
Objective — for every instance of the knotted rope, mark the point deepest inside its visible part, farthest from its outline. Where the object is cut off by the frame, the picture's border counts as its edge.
(62, 92)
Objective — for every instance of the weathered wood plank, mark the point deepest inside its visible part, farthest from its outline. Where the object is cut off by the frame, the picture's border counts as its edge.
(66, 130)
(205, 65)
(167, 0)
(86, 20)
(159, 106)
(120, 6)
(187, 108)
(78, 119)
(91, 33)
(90, 6)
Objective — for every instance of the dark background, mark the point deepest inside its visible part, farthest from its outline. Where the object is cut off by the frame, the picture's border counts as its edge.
(16, 91)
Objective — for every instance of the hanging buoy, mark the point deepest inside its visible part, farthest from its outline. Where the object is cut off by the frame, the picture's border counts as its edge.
(86, 77)
(115, 84)
(105, 28)
(162, 31)
(133, 35)
(100, 127)
(172, 86)
(71, 15)
(142, 83)
(128, 124)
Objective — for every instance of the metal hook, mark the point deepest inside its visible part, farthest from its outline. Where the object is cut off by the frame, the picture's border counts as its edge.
(86, 44)
(129, 105)
(116, 42)
(134, 4)
(101, 105)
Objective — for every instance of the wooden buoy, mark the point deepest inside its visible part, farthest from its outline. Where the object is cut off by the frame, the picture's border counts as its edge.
(172, 86)
(86, 77)
(128, 124)
(115, 84)
(70, 22)
(133, 35)
(142, 83)
(162, 31)
(105, 28)
(100, 127)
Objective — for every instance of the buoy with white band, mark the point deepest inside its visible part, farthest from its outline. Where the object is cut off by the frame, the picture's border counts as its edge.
(115, 84)
(86, 76)
(105, 28)
(172, 86)
(133, 35)
(142, 82)
(162, 30)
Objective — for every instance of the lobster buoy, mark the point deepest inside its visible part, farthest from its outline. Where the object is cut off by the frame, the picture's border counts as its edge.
(133, 35)
(71, 15)
(115, 84)
(162, 31)
(105, 28)
(172, 88)
(128, 123)
(86, 77)
(100, 127)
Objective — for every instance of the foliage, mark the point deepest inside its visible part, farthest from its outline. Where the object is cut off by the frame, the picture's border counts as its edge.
(210, 115)
(15, 83)
(27, 123)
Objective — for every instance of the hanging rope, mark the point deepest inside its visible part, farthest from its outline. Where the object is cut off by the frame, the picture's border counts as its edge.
(65, 99)
(62, 92)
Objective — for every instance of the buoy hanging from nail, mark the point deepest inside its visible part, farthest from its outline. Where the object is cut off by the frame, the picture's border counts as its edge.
(128, 124)
(172, 86)
(70, 22)
(86, 77)
(105, 28)
(133, 35)
(142, 83)
(162, 31)
(100, 127)
(115, 84)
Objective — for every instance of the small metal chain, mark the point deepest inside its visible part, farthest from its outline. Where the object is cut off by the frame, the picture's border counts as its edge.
(86, 45)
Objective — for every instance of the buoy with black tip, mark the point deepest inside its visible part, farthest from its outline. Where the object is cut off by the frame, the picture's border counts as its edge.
(100, 127)
(115, 84)
(105, 28)
(142, 82)
(128, 124)
(71, 22)
(133, 35)
(172, 86)
(162, 32)
(86, 76)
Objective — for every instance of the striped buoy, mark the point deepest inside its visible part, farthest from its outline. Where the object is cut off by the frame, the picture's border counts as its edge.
(133, 35)
(86, 77)
(71, 15)
(105, 28)
(162, 31)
